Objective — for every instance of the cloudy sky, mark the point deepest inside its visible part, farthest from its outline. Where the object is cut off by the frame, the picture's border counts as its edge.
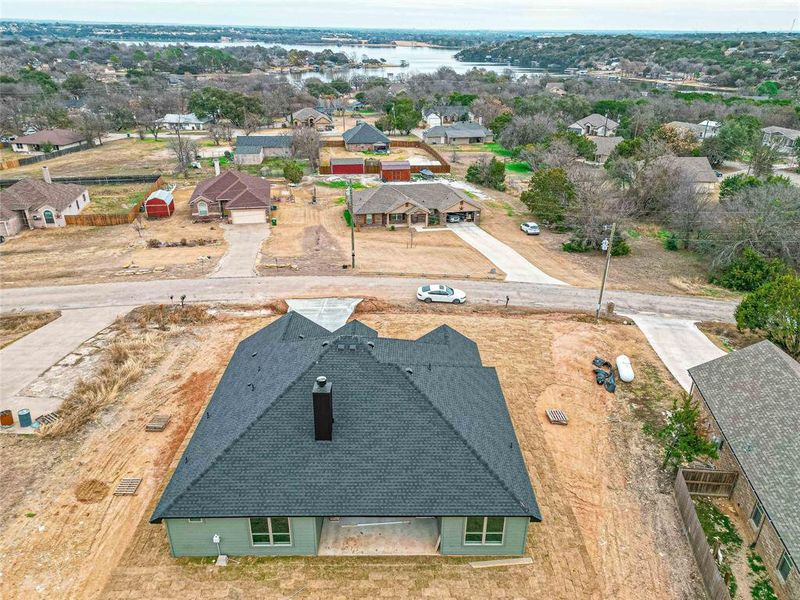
(569, 15)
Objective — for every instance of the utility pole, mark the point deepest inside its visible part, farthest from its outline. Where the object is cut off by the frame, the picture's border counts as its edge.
(605, 272)
(352, 223)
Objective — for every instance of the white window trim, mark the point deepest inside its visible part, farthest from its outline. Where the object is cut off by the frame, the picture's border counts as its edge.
(483, 541)
(784, 557)
(269, 526)
(202, 212)
(194, 520)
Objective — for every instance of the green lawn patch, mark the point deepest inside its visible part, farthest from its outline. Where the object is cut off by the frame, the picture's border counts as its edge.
(341, 200)
(499, 150)
(719, 529)
(357, 185)
(518, 167)
(762, 588)
(348, 217)
(106, 200)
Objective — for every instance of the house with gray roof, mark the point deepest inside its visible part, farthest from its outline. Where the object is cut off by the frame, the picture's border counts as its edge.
(253, 149)
(595, 124)
(783, 139)
(311, 117)
(365, 137)
(184, 122)
(54, 139)
(320, 442)
(408, 204)
(751, 401)
(460, 133)
(445, 114)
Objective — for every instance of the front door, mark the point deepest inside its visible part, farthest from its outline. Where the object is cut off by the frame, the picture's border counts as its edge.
(48, 217)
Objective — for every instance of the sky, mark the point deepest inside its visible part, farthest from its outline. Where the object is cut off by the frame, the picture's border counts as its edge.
(537, 15)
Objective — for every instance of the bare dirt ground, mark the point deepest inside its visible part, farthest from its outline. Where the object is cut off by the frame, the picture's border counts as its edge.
(316, 239)
(609, 530)
(72, 254)
(16, 325)
(416, 156)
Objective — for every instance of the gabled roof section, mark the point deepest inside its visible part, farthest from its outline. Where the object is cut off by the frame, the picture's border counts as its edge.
(230, 184)
(421, 428)
(32, 194)
(364, 133)
(57, 137)
(431, 196)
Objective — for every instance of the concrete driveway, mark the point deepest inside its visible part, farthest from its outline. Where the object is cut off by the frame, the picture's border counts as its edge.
(244, 246)
(679, 344)
(330, 313)
(515, 266)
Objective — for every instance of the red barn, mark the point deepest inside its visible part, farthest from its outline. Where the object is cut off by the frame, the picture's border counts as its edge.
(395, 170)
(159, 204)
(347, 166)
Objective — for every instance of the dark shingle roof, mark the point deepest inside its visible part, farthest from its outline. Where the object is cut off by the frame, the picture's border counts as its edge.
(421, 428)
(457, 130)
(238, 189)
(364, 133)
(454, 110)
(263, 141)
(384, 198)
(754, 395)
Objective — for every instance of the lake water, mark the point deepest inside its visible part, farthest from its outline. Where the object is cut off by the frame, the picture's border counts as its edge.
(419, 59)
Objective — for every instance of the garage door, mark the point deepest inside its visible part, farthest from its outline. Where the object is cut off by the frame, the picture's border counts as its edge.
(250, 215)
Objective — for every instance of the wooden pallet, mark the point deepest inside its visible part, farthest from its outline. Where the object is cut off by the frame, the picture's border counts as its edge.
(127, 487)
(48, 418)
(557, 417)
(157, 423)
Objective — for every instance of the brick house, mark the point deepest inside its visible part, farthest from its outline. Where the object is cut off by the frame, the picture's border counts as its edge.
(751, 405)
(365, 137)
(57, 139)
(238, 196)
(403, 205)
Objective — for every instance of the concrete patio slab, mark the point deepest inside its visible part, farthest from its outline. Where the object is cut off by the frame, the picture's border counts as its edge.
(379, 536)
(330, 313)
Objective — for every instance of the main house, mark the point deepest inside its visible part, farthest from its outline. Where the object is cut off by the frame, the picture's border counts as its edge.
(187, 122)
(784, 140)
(461, 132)
(253, 149)
(241, 197)
(704, 129)
(365, 136)
(52, 139)
(594, 124)
(443, 115)
(695, 169)
(347, 443)
(39, 204)
(311, 117)
(403, 205)
(751, 401)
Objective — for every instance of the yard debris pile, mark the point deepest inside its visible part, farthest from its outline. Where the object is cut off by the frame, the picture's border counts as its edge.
(604, 374)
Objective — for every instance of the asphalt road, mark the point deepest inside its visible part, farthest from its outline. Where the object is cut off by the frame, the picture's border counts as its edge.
(396, 289)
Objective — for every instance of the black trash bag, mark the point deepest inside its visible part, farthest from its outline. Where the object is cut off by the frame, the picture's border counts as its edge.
(598, 362)
(600, 376)
(610, 383)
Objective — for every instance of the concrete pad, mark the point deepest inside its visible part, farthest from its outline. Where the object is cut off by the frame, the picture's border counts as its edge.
(22, 362)
(505, 562)
(379, 536)
(330, 313)
(515, 266)
(244, 247)
(678, 343)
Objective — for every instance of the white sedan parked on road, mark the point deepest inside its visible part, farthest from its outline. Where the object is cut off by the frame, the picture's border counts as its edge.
(530, 228)
(440, 293)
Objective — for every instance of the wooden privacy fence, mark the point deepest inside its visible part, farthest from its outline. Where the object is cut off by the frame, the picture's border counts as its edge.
(442, 167)
(708, 482)
(715, 585)
(101, 220)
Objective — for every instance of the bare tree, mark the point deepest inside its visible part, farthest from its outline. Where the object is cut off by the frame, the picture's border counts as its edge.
(94, 126)
(185, 150)
(306, 144)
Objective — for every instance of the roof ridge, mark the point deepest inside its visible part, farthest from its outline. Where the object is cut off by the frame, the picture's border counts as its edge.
(252, 423)
(458, 434)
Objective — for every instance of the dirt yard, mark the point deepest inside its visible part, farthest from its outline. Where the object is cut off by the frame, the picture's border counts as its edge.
(72, 254)
(16, 325)
(316, 239)
(114, 199)
(416, 156)
(610, 528)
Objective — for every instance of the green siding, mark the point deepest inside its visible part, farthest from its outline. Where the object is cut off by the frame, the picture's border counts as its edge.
(452, 531)
(194, 539)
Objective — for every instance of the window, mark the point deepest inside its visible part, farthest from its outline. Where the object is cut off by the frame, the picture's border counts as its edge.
(369, 219)
(202, 209)
(270, 531)
(785, 565)
(195, 519)
(757, 515)
(484, 530)
(397, 218)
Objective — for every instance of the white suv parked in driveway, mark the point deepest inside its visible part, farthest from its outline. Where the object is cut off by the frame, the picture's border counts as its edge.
(440, 293)
(530, 228)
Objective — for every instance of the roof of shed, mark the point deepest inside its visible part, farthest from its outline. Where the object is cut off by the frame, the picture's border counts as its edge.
(395, 165)
(754, 395)
(421, 428)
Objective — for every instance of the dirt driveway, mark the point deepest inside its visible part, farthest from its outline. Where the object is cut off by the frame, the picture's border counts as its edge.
(610, 531)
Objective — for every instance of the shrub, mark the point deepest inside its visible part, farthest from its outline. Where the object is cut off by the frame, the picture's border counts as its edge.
(576, 245)
(153, 243)
(748, 271)
(774, 309)
(550, 193)
(620, 247)
(671, 242)
(293, 172)
(491, 173)
(682, 435)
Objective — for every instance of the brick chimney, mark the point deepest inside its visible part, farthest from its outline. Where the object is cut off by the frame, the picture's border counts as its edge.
(322, 396)
(46, 174)
(216, 166)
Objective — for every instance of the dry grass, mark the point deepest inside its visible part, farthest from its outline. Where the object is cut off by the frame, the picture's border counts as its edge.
(161, 316)
(727, 336)
(15, 326)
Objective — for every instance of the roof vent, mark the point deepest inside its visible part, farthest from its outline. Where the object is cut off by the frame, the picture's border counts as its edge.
(340, 346)
(409, 371)
(325, 343)
(352, 347)
(371, 344)
(254, 354)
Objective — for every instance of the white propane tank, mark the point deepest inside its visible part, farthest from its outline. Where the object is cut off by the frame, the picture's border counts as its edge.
(624, 368)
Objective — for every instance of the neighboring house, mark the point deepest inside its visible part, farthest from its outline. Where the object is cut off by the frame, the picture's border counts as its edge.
(402, 205)
(556, 88)
(189, 122)
(160, 204)
(595, 124)
(365, 137)
(311, 117)
(783, 138)
(347, 166)
(696, 169)
(241, 197)
(701, 131)
(59, 139)
(253, 149)
(751, 401)
(311, 433)
(604, 146)
(395, 170)
(38, 204)
(443, 115)
(461, 132)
